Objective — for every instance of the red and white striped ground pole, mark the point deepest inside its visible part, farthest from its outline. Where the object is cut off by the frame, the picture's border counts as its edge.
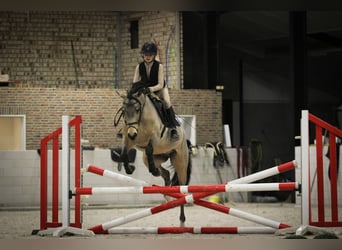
(193, 230)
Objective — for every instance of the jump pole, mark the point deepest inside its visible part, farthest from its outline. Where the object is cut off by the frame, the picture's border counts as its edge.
(182, 189)
(113, 175)
(192, 198)
(237, 213)
(189, 189)
(105, 227)
(193, 230)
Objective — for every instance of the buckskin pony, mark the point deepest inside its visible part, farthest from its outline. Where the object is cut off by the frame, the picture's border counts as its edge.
(144, 130)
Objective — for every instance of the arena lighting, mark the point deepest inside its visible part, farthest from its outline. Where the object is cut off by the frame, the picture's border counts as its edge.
(219, 88)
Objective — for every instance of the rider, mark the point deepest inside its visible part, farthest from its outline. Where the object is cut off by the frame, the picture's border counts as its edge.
(151, 73)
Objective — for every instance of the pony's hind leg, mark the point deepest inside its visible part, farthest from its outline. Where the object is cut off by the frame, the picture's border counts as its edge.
(182, 216)
(182, 162)
(167, 182)
(166, 176)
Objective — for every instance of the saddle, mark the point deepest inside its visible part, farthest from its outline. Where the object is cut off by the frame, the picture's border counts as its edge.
(159, 106)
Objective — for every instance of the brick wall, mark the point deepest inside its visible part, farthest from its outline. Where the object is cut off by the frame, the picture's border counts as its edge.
(36, 47)
(47, 48)
(36, 51)
(44, 108)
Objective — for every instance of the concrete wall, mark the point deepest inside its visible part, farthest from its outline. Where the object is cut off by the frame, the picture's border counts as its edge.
(20, 178)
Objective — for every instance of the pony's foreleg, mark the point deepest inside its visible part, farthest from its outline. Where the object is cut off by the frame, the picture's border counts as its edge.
(151, 166)
(124, 157)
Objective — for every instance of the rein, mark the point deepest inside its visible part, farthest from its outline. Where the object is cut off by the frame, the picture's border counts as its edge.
(121, 113)
(141, 107)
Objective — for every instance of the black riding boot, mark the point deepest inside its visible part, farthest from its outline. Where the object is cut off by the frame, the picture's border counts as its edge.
(172, 122)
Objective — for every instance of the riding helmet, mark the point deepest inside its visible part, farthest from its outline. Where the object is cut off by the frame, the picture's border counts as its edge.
(149, 48)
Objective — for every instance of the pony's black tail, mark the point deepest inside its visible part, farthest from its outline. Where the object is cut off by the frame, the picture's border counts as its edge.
(174, 180)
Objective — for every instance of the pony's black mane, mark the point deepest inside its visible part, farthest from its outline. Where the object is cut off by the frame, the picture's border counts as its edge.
(137, 87)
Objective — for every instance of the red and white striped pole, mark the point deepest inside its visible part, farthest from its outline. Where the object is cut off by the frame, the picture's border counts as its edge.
(195, 198)
(189, 189)
(237, 213)
(194, 230)
(119, 177)
(266, 173)
(244, 180)
(103, 228)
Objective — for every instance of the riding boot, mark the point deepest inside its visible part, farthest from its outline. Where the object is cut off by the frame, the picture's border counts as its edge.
(172, 122)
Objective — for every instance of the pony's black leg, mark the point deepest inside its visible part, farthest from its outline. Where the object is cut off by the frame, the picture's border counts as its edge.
(188, 172)
(151, 166)
(166, 176)
(182, 215)
(124, 157)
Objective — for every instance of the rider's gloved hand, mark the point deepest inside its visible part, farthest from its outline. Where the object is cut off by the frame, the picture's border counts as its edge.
(146, 91)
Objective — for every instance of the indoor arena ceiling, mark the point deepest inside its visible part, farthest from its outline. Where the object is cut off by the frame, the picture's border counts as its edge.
(266, 33)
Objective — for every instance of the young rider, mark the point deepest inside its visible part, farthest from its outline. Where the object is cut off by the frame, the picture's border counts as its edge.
(151, 73)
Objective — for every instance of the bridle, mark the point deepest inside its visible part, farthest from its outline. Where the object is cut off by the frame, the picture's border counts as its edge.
(121, 112)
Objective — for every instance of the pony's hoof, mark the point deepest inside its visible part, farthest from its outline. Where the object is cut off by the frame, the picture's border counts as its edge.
(155, 172)
(130, 169)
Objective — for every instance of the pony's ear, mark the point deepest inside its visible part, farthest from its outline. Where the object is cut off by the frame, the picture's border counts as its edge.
(123, 96)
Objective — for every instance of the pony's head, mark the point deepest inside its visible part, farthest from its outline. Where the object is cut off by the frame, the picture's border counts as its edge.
(132, 111)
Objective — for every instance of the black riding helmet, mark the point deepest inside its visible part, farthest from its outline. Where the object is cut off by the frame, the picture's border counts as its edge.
(149, 48)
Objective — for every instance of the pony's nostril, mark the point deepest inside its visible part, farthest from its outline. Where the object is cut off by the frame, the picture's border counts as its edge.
(132, 136)
(132, 133)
